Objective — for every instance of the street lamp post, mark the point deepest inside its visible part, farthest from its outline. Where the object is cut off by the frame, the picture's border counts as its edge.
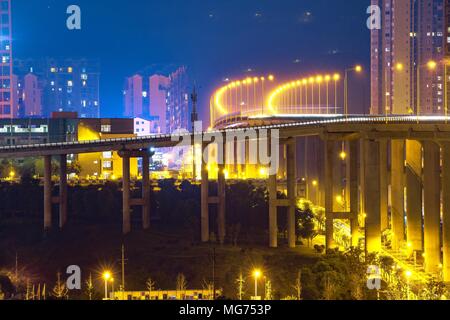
(106, 277)
(256, 275)
(357, 69)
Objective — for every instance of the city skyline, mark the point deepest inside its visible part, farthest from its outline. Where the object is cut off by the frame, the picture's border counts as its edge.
(260, 20)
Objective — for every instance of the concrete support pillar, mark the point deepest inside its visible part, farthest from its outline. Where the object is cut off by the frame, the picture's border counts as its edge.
(62, 191)
(126, 211)
(372, 196)
(47, 193)
(221, 224)
(384, 185)
(397, 192)
(353, 190)
(338, 166)
(414, 195)
(446, 210)
(432, 220)
(273, 219)
(204, 199)
(291, 151)
(329, 227)
(146, 192)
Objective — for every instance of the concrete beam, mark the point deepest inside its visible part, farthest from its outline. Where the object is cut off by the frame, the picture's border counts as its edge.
(353, 191)
(446, 210)
(372, 196)
(146, 192)
(397, 193)
(204, 198)
(126, 210)
(329, 227)
(62, 191)
(47, 193)
(273, 219)
(432, 217)
(291, 165)
(414, 195)
(384, 185)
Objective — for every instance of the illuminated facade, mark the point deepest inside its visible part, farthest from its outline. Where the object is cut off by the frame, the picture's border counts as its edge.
(178, 114)
(29, 94)
(105, 165)
(8, 83)
(67, 85)
(158, 96)
(412, 35)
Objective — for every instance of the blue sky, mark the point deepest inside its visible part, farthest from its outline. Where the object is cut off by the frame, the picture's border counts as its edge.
(216, 39)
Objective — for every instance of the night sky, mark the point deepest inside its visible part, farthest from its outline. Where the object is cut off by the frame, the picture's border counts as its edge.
(216, 39)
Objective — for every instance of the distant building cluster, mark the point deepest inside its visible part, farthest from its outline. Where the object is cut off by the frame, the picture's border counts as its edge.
(62, 85)
(164, 100)
(409, 57)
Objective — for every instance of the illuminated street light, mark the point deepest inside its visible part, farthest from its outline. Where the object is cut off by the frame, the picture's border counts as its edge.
(357, 69)
(315, 183)
(256, 274)
(106, 277)
(431, 65)
(343, 155)
(399, 66)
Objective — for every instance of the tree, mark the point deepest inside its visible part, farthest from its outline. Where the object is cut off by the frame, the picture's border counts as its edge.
(60, 290)
(306, 225)
(240, 286)
(89, 287)
(268, 291)
(298, 285)
(74, 168)
(150, 286)
(181, 282)
(434, 289)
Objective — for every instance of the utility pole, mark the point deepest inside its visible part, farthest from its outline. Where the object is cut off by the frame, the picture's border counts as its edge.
(194, 119)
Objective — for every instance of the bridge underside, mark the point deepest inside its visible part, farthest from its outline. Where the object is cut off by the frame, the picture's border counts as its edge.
(371, 171)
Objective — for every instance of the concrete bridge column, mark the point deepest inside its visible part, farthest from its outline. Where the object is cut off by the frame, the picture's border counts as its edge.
(397, 192)
(329, 228)
(372, 196)
(414, 195)
(146, 192)
(384, 185)
(221, 224)
(204, 197)
(446, 209)
(47, 193)
(126, 211)
(273, 221)
(62, 191)
(353, 190)
(432, 220)
(291, 151)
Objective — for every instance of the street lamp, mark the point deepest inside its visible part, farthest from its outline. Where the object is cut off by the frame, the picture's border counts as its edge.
(256, 274)
(336, 78)
(106, 277)
(357, 69)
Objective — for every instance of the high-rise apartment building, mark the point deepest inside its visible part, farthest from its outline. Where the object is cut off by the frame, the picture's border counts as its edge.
(67, 85)
(178, 115)
(135, 97)
(411, 36)
(8, 104)
(29, 94)
(158, 99)
(161, 98)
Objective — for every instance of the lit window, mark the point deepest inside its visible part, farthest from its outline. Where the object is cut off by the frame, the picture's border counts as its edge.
(70, 69)
(107, 155)
(107, 164)
(70, 83)
(106, 128)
